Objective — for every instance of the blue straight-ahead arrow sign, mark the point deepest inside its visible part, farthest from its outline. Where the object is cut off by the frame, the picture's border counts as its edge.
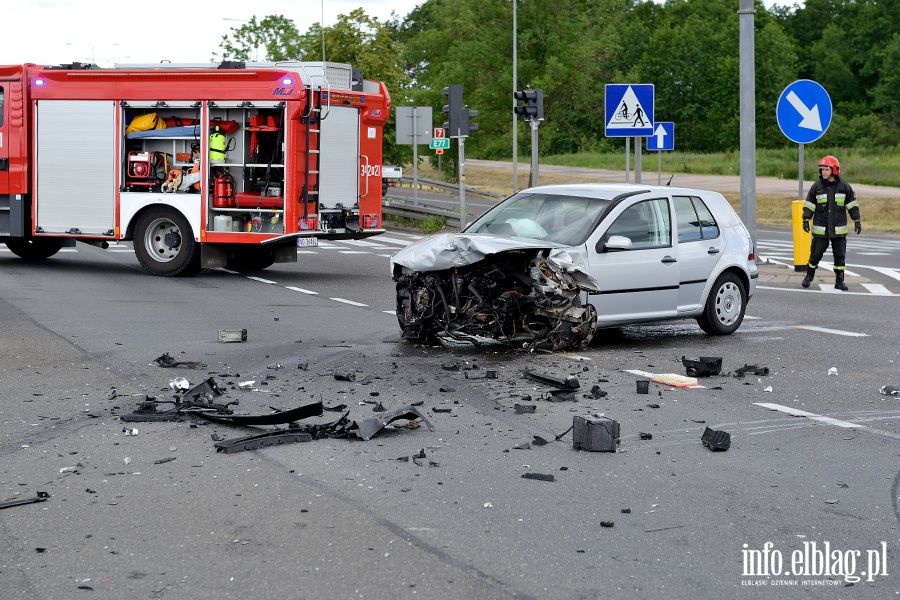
(663, 137)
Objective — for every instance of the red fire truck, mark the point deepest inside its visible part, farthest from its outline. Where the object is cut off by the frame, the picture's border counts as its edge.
(198, 166)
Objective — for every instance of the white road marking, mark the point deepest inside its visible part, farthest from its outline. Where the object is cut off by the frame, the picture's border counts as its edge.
(752, 318)
(874, 253)
(811, 291)
(301, 290)
(834, 331)
(802, 413)
(351, 302)
(306, 252)
(381, 238)
(261, 280)
(877, 289)
(353, 252)
(389, 312)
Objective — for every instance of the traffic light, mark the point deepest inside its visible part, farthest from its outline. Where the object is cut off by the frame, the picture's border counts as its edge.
(453, 107)
(465, 120)
(533, 109)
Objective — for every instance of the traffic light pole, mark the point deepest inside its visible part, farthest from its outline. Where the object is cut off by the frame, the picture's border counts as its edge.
(534, 152)
(461, 142)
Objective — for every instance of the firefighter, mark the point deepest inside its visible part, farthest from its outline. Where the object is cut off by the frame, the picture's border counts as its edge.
(827, 204)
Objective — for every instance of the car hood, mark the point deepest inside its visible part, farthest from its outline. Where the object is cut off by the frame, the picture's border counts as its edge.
(448, 250)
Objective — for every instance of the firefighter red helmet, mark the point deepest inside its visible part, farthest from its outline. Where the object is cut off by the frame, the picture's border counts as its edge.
(830, 161)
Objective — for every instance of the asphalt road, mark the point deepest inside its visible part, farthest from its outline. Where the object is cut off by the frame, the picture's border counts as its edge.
(813, 456)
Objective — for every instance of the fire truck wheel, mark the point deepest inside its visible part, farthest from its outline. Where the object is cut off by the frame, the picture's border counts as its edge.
(164, 244)
(32, 248)
(249, 258)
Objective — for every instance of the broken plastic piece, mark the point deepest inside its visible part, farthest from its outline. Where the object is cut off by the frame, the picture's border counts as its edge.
(232, 335)
(206, 390)
(645, 436)
(705, 366)
(607, 523)
(889, 390)
(270, 438)
(522, 409)
(538, 476)
(751, 369)
(570, 382)
(832, 371)
(131, 431)
(716, 440)
(595, 434)
(180, 384)
(167, 361)
(41, 497)
(366, 428)
(561, 396)
(345, 375)
(597, 393)
(643, 386)
(276, 418)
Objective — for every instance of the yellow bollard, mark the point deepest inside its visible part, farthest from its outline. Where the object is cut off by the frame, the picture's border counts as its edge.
(802, 240)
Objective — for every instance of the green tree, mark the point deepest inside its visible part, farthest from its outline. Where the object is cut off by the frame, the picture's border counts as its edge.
(273, 38)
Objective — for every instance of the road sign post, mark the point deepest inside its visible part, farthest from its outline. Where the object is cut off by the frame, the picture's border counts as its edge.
(804, 114)
(663, 138)
(629, 112)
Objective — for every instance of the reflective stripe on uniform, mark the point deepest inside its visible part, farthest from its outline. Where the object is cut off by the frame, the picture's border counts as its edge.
(853, 204)
(841, 230)
(822, 198)
(819, 230)
(809, 205)
(839, 199)
(839, 267)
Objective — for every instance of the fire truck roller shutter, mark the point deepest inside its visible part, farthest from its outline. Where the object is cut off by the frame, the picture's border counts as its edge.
(339, 181)
(76, 166)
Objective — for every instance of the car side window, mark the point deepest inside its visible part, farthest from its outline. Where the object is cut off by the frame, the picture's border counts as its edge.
(693, 219)
(647, 224)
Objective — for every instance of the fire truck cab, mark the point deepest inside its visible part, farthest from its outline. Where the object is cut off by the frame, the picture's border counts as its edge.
(198, 166)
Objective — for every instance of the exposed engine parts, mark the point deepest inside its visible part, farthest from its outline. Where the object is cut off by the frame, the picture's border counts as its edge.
(516, 297)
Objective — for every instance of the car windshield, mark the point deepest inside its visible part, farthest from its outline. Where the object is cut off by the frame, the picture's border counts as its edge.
(560, 219)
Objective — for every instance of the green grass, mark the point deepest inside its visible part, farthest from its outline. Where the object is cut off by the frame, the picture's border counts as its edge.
(869, 166)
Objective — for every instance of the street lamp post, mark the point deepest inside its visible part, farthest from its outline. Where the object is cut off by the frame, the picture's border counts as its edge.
(93, 49)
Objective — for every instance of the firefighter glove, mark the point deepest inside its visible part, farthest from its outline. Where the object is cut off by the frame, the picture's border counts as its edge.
(858, 227)
(806, 225)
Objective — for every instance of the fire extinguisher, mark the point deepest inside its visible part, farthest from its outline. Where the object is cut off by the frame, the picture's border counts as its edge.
(223, 186)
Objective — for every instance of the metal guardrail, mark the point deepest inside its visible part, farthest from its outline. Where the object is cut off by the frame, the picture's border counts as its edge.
(452, 187)
(419, 212)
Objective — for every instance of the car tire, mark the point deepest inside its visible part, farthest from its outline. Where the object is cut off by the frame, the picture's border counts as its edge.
(164, 244)
(725, 306)
(34, 248)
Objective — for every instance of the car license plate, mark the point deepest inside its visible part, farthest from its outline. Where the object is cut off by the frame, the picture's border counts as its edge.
(307, 242)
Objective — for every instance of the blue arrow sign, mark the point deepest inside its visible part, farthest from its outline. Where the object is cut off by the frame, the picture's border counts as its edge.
(629, 109)
(663, 137)
(803, 111)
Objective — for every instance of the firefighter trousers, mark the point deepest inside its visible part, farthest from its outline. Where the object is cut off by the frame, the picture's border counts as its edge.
(838, 248)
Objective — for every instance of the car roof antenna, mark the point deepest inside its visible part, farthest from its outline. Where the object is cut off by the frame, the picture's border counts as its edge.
(669, 182)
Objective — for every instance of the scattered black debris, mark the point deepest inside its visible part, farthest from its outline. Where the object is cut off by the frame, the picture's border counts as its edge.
(739, 373)
(889, 390)
(304, 366)
(40, 550)
(570, 382)
(168, 362)
(366, 428)
(366, 380)
(112, 394)
(716, 440)
(277, 418)
(164, 460)
(450, 366)
(338, 408)
(402, 458)
(645, 436)
(525, 446)
(705, 366)
(447, 389)
(270, 438)
(522, 409)
(379, 407)
(597, 393)
(345, 375)
(41, 497)
(653, 405)
(595, 433)
(561, 396)
(418, 403)
(643, 386)
(539, 441)
(441, 409)
(216, 437)
(626, 511)
(607, 523)
(538, 476)
(489, 374)
(421, 454)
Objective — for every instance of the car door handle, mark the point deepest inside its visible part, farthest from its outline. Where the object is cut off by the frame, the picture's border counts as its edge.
(668, 259)
(713, 250)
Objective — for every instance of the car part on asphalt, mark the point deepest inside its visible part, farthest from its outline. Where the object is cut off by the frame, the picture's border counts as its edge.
(232, 335)
(595, 434)
(889, 390)
(167, 361)
(643, 386)
(705, 366)
(522, 409)
(538, 476)
(570, 382)
(345, 375)
(41, 497)
(366, 428)
(716, 440)
(276, 418)
(740, 372)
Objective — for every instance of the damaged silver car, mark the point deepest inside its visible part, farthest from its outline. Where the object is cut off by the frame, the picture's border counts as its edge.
(550, 265)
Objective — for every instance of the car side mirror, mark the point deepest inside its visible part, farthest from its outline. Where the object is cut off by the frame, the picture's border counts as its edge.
(615, 243)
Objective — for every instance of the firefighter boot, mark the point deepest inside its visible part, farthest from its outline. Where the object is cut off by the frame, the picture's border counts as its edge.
(810, 274)
(839, 281)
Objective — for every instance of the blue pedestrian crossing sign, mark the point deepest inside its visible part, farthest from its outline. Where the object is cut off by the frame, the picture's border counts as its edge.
(803, 111)
(629, 109)
(663, 137)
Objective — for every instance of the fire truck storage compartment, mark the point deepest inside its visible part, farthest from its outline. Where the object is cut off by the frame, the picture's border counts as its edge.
(338, 189)
(76, 166)
(254, 158)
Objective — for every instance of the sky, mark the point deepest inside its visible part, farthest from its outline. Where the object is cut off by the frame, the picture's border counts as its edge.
(55, 32)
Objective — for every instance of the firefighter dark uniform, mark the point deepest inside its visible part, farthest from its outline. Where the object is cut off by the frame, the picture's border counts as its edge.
(827, 204)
